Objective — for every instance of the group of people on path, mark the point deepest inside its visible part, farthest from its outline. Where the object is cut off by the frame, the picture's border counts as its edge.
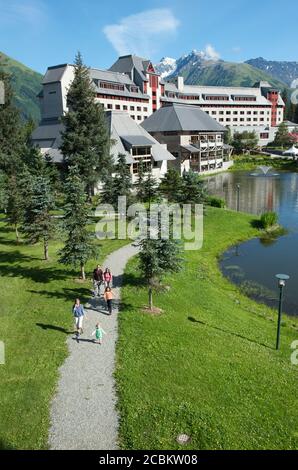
(100, 279)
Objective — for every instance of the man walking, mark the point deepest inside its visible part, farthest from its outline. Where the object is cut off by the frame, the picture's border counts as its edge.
(97, 280)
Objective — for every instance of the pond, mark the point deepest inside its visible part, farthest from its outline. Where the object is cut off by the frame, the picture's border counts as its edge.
(252, 265)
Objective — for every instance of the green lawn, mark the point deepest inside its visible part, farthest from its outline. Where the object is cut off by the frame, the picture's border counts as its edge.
(207, 366)
(35, 319)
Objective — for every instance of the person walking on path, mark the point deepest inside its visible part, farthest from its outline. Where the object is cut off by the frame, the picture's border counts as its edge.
(78, 313)
(108, 296)
(98, 332)
(108, 278)
(97, 280)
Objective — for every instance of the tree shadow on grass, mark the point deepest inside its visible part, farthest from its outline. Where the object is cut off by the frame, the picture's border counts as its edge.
(67, 294)
(237, 335)
(16, 256)
(131, 279)
(54, 328)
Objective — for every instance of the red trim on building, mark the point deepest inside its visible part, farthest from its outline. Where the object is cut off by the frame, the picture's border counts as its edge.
(272, 96)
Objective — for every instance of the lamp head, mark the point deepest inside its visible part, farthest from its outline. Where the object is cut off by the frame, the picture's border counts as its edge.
(282, 278)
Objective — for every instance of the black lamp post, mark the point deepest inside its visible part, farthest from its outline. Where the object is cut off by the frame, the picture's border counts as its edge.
(238, 197)
(282, 278)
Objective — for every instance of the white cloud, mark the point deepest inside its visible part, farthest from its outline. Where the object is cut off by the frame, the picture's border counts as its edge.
(211, 53)
(20, 11)
(236, 49)
(140, 33)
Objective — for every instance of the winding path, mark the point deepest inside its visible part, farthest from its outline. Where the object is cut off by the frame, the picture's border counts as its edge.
(83, 412)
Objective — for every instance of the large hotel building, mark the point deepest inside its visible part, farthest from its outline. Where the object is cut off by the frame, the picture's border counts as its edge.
(132, 85)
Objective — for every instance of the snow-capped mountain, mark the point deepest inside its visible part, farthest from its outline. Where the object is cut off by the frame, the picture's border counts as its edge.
(169, 66)
(285, 71)
(166, 66)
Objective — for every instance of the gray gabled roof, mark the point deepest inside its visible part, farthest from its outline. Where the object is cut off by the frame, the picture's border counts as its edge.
(126, 64)
(179, 117)
(124, 129)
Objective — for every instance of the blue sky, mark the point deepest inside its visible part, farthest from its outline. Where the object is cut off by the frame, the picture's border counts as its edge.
(48, 32)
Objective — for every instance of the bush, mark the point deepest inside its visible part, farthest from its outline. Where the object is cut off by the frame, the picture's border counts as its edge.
(268, 219)
(216, 202)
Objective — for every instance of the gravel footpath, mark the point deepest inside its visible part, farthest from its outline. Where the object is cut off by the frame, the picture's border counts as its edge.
(83, 412)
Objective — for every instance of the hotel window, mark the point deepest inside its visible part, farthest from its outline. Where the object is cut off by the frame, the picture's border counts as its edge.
(111, 86)
(139, 118)
(124, 107)
(262, 119)
(264, 135)
(220, 119)
(255, 119)
(216, 98)
(228, 112)
(261, 112)
(213, 112)
(134, 89)
(110, 106)
(132, 108)
(117, 106)
(249, 119)
(241, 119)
(228, 119)
(235, 112)
(248, 112)
(145, 110)
(255, 112)
(132, 116)
(221, 112)
(235, 119)
(241, 112)
(153, 93)
(140, 151)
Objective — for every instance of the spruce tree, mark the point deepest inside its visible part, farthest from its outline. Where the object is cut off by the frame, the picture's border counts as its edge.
(119, 185)
(38, 223)
(18, 194)
(171, 185)
(85, 139)
(139, 185)
(78, 247)
(150, 188)
(158, 257)
(193, 190)
(282, 137)
(11, 135)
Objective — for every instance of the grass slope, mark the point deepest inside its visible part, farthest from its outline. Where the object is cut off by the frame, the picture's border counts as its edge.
(206, 367)
(27, 84)
(35, 319)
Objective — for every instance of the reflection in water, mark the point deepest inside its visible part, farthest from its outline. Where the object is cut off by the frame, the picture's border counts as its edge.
(253, 264)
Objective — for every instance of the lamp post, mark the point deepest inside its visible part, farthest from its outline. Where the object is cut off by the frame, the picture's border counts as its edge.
(282, 278)
(238, 197)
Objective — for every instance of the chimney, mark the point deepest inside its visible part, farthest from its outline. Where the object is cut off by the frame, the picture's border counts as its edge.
(179, 83)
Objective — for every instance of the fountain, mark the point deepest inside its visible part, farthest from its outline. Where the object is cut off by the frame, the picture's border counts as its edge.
(264, 171)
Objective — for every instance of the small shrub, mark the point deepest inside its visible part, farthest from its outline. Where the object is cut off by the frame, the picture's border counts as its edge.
(268, 220)
(216, 202)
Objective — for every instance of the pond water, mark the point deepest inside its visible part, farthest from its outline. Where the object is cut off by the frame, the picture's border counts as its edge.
(252, 265)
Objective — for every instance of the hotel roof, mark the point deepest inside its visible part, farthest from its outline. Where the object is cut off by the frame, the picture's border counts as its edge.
(126, 133)
(181, 117)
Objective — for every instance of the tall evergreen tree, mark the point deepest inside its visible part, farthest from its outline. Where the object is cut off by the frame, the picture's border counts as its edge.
(18, 192)
(193, 189)
(119, 185)
(282, 137)
(139, 185)
(150, 188)
(78, 247)
(85, 140)
(11, 135)
(38, 223)
(158, 257)
(171, 185)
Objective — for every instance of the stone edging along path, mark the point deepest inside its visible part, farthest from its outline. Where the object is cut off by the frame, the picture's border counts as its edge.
(83, 411)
